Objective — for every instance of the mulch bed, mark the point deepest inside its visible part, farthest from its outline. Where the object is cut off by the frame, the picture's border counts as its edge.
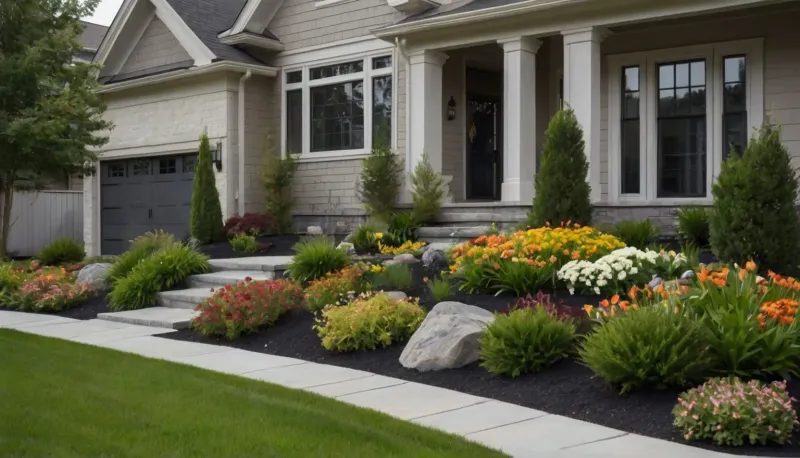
(86, 311)
(275, 245)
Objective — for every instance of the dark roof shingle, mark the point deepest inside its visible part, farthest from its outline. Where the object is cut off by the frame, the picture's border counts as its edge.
(92, 35)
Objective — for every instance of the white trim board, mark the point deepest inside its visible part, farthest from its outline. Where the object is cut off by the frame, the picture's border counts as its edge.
(340, 50)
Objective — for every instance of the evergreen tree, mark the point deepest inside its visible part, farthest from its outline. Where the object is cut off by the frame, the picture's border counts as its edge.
(754, 214)
(562, 192)
(205, 219)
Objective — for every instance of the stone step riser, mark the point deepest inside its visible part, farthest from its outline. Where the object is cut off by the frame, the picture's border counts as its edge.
(172, 322)
(177, 304)
(211, 281)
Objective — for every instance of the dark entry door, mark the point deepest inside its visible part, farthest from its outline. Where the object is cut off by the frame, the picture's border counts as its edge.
(484, 151)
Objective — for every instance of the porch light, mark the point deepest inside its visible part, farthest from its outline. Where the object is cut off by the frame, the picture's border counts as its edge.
(451, 109)
(218, 157)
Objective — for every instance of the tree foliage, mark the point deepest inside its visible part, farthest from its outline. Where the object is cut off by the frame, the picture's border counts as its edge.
(205, 219)
(277, 175)
(51, 118)
(427, 190)
(381, 179)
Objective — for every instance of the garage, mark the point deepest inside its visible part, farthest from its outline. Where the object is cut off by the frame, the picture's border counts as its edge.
(144, 194)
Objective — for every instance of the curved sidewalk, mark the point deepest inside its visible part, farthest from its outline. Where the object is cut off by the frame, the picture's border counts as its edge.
(516, 430)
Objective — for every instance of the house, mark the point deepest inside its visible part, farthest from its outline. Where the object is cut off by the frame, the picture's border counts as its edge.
(662, 89)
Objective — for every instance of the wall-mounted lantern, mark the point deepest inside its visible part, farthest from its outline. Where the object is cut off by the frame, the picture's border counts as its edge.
(218, 157)
(451, 109)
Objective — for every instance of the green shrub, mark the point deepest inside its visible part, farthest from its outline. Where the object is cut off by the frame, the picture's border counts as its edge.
(244, 243)
(526, 340)
(427, 190)
(651, 347)
(165, 269)
(100, 260)
(693, 226)
(336, 288)
(368, 323)
(142, 247)
(636, 233)
(562, 190)
(381, 179)
(754, 215)
(205, 217)
(395, 277)
(158, 238)
(61, 251)
(440, 288)
(364, 236)
(316, 257)
(731, 412)
(277, 176)
(402, 228)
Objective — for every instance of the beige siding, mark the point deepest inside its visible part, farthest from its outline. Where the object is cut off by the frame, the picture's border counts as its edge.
(260, 119)
(453, 131)
(327, 187)
(299, 23)
(158, 46)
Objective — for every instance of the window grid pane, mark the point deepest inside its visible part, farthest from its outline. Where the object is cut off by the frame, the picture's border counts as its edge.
(734, 105)
(294, 121)
(337, 117)
(337, 69)
(116, 171)
(381, 62)
(141, 167)
(167, 166)
(630, 147)
(382, 111)
(294, 77)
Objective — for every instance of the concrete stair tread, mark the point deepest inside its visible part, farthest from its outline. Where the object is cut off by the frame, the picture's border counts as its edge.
(227, 277)
(257, 263)
(184, 298)
(451, 232)
(159, 317)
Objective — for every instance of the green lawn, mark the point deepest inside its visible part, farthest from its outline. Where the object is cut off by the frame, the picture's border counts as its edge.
(62, 399)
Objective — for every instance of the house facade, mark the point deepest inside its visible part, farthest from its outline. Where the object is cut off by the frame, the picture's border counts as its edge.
(662, 89)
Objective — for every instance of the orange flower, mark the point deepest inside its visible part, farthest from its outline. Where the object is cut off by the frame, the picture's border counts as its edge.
(634, 291)
(742, 274)
(566, 252)
(553, 259)
(589, 309)
(615, 299)
(576, 254)
(750, 266)
(604, 303)
(624, 305)
(496, 266)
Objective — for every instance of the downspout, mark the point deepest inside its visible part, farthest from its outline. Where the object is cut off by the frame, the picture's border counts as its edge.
(240, 123)
(401, 49)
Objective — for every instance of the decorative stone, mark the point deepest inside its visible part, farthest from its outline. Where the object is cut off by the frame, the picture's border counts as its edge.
(405, 258)
(434, 257)
(397, 295)
(95, 275)
(315, 230)
(655, 282)
(688, 275)
(347, 247)
(447, 339)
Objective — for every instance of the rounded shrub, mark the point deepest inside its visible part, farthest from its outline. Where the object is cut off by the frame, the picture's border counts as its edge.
(316, 257)
(369, 322)
(526, 340)
(427, 190)
(636, 233)
(141, 248)
(334, 288)
(732, 412)
(652, 347)
(693, 226)
(61, 251)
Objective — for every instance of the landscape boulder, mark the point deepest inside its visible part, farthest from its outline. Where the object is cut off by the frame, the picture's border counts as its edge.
(95, 275)
(447, 339)
(434, 258)
(315, 230)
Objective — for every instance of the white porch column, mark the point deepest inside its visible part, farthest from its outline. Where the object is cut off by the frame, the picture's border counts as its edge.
(582, 92)
(425, 124)
(519, 126)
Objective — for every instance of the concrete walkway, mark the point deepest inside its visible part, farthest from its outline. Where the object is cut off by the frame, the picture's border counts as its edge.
(516, 430)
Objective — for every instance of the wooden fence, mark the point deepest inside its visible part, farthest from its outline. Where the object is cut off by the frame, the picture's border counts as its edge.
(38, 218)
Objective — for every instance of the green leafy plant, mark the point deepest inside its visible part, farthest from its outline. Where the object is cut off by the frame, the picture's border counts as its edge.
(244, 243)
(427, 190)
(731, 412)
(693, 226)
(394, 277)
(369, 322)
(277, 175)
(754, 214)
(62, 251)
(205, 217)
(440, 288)
(381, 179)
(526, 340)
(142, 247)
(335, 288)
(562, 190)
(364, 239)
(636, 233)
(316, 257)
(246, 307)
(100, 260)
(650, 347)
(403, 228)
(158, 238)
(165, 269)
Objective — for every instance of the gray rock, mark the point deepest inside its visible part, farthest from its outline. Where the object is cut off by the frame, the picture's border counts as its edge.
(688, 275)
(434, 257)
(405, 258)
(95, 275)
(397, 295)
(347, 247)
(655, 282)
(315, 230)
(447, 339)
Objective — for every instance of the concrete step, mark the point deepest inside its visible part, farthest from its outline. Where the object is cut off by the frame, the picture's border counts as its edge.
(158, 317)
(276, 264)
(184, 298)
(227, 277)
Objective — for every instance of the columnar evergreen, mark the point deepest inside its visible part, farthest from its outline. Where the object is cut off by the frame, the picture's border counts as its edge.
(205, 219)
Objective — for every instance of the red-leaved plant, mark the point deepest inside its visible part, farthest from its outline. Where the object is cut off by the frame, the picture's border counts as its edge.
(249, 223)
(555, 308)
(246, 307)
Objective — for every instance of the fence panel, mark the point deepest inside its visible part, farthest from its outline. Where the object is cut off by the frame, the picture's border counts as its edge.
(37, 218)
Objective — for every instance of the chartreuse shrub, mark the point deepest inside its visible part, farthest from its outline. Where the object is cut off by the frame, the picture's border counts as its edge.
(636, 233)
(562, 190)
(440, 288)
(754, 215)
(525, 340)
(652, 347)
(316, 257)
(141, 248)
(277, 175)
(381, 178)
(693, 229)
(165, 269)
(393, 277)
(60, 251)
(731, 412)
(205, 217)
(335, 288)
(246, 307)
(244, 243)
(427, 190)
(369, 322)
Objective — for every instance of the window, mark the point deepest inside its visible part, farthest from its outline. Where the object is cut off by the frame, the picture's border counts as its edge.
(682, 129)
(167, 166)
(341, 108)
(116, 171)
(734, 105)
(141, 167)
(630, 131)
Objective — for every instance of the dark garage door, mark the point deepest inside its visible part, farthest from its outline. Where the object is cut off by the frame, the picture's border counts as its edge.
(140, 195)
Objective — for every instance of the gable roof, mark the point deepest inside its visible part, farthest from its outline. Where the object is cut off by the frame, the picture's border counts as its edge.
(92, 35)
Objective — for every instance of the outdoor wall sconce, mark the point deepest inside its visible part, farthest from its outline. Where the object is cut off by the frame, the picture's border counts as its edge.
(451, 109)
(218, 157)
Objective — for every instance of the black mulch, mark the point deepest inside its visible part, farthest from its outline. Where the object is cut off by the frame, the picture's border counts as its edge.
(567, 389)
(85, 311)
(273, 245)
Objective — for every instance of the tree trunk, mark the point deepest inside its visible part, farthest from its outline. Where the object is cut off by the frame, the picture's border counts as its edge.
(7, 194)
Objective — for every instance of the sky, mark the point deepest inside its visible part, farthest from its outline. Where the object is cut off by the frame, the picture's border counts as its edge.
(105, 12)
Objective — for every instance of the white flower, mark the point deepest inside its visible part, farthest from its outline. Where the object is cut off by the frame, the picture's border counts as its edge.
(634, 271)
(571, 291)
(597, 290)
(621, 275)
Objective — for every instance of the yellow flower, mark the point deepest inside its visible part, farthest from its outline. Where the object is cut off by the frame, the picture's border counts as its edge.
(379, 235)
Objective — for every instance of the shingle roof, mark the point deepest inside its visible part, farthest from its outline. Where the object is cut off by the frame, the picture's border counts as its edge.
(92, 35)
(458, 7)
(207, 18)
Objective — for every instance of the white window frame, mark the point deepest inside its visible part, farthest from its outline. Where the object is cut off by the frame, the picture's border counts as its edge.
(365, 76)
(714, 54)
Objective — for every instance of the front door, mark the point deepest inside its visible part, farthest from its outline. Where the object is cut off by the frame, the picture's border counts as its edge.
(484, 156)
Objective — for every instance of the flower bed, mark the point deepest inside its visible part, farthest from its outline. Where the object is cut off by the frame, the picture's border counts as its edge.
(36, 289)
